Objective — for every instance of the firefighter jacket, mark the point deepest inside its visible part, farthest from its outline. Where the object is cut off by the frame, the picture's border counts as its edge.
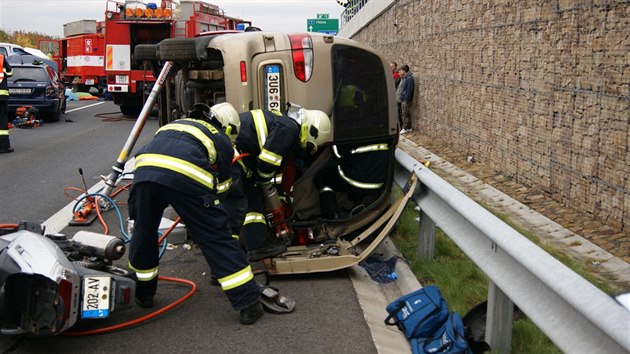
(5, 72)
(362, 166)
(188, 155)
(269, 138)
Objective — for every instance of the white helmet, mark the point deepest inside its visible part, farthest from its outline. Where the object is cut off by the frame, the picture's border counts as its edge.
(228, 117)
(315, 128)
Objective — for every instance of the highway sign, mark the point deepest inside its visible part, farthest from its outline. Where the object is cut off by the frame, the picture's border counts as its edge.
(328, 26)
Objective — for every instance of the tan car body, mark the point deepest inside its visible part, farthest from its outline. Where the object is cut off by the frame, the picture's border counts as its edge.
(239, 67)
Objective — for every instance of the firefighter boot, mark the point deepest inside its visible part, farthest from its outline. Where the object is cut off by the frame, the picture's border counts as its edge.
(251, 313)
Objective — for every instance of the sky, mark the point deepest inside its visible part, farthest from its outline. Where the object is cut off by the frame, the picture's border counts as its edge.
(48, 16)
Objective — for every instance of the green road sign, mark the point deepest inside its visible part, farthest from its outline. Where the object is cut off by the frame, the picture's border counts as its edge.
(328, 26)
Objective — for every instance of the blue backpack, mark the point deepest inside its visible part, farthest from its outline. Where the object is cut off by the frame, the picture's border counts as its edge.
(418, 314)
(448, 339)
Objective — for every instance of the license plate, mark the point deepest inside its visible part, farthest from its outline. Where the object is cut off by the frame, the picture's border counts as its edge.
(273, 88)
(122, 79)
(19, 91)
(96, 298)
(89, 81)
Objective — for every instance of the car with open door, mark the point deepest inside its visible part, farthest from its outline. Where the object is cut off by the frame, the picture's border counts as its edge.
(267, 70)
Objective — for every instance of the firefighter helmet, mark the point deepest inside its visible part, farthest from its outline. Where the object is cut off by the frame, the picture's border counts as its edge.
(315, 128)
(228, 117)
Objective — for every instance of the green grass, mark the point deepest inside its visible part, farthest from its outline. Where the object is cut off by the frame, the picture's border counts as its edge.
(461, 282)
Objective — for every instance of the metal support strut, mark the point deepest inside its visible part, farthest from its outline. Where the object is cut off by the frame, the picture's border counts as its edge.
(119, 165)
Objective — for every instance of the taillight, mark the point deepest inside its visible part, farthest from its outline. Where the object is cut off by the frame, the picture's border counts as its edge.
(51, 91)
(302, 52)
(126, 295)
(65, 291)
(243, 72)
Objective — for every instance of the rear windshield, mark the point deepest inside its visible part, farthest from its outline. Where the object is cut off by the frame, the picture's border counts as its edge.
(28, 74)
(361, 94)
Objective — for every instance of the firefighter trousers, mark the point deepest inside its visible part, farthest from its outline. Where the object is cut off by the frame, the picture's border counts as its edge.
(207, 222)
(4, 125)
(254, 232)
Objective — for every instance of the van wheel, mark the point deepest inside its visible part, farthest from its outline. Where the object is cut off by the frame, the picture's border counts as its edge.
(145, 52)
(174, 49)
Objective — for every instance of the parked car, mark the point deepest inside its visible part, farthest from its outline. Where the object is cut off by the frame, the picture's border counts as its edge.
(12, 49)
(9, 49)
(265, 70)
(35, 83)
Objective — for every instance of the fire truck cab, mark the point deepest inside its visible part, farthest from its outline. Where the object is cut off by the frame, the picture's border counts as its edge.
(131, 23)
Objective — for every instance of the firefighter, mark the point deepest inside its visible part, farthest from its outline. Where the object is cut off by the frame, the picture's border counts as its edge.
(270, 139)
(187, 165)
(359, 170)
(5, 72)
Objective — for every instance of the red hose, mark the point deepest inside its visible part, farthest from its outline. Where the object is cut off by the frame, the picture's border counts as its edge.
(129, 324)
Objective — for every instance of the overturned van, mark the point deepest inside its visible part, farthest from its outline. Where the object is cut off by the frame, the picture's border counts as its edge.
(347, 80)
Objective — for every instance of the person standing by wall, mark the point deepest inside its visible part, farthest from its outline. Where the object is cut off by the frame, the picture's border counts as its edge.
(396, 75)
(407, 86)
(5, 72)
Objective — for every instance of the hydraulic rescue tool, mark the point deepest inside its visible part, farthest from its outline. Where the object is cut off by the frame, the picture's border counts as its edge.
(83, 216)
(275, 211)
(119, 165)
(27, 117)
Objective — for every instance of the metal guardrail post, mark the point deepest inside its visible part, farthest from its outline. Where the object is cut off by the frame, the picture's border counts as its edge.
(572, 312)
(426, 236)
(499, 316)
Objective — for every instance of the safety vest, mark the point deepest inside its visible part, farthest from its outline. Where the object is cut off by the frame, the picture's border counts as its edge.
(351, 96)
(4, 91)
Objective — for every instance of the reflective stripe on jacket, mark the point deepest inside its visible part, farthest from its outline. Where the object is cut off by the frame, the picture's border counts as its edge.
(189, 155)
(269, 137)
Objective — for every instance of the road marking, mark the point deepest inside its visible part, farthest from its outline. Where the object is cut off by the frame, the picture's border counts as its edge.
(80, 108)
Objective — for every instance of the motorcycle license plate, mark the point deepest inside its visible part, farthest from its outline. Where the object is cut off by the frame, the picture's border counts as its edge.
(89, 81)
(96, 292)
(273, 89)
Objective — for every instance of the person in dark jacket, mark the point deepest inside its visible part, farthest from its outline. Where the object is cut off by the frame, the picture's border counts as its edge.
(5, 72)
(268, 139)
(407, 86)
(188, 165)
(359, 170)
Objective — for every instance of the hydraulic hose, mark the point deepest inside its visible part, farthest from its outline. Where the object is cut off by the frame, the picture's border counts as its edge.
(137, 321)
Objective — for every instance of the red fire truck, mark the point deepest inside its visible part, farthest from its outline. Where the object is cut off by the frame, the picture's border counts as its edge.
(128, 24)
(80, 55)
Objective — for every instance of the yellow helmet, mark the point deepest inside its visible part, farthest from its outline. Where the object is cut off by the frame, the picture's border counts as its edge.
(315, 128)
(228, 117)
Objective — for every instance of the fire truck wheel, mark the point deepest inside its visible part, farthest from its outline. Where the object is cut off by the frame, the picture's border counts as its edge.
(145, 52)
(175, 49)
(132, 111)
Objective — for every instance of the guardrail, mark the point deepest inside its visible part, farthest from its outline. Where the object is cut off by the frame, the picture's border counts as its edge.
(572, 312)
